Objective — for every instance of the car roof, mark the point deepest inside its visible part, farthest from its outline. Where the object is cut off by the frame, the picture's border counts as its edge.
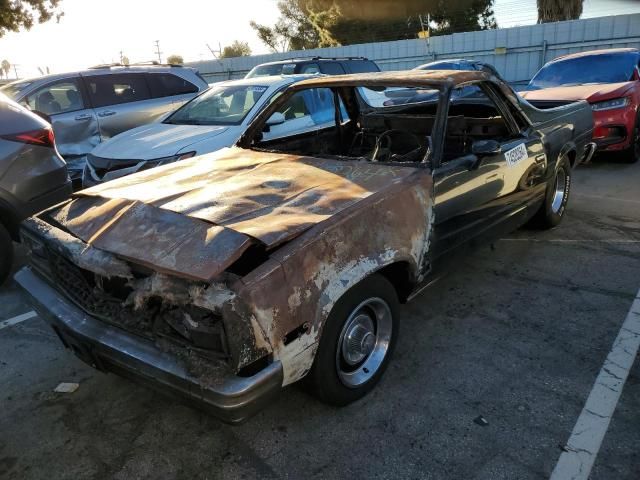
(448, 61)
(397, 78)
(105, 69)
(315, 59)
(596, 52)
(268, 80)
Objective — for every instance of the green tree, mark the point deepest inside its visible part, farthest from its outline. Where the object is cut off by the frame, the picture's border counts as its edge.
(6, 67)
(294, 30)
(19, 14)
(322, 23)
(175, 59)
(559, 10)
(236, 49)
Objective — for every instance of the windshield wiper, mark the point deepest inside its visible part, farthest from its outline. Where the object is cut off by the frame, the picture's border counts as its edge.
(186, 122)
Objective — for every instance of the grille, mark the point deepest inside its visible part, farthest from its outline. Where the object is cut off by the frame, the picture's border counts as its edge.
(81, 288)
(89, 292)
(104, 165)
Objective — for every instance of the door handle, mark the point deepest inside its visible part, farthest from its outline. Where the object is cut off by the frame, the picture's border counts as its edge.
(84, 116)
(106, 113)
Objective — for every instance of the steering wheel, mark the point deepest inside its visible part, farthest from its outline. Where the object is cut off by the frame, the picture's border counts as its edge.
(386, 140)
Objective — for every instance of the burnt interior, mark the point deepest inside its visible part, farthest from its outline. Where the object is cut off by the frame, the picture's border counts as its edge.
(399, 132)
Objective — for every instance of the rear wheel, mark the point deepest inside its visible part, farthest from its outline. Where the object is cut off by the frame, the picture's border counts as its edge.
(6, 254)
(557, 195)
(632, 154)
(356, 344)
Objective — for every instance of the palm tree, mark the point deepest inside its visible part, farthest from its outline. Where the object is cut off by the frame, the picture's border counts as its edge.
(559, 10)
(6, 67)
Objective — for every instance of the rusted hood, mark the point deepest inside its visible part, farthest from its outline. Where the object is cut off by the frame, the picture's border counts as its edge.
(196, 217)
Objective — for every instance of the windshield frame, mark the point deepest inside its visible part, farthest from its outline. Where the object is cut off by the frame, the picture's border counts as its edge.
(259, 121)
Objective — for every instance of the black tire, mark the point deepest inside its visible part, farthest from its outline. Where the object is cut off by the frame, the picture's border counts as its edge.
(632, 154)
(325, 378)
(552, 210)
(6, 254)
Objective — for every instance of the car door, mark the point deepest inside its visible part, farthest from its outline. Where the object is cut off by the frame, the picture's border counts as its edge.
(74, 123)
(122, 101)
(491, 168)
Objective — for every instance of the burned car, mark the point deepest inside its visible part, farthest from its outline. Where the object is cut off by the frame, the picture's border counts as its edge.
(228, 276)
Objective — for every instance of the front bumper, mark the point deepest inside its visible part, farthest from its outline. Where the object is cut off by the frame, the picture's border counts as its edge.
(231, 398)
(612, 128)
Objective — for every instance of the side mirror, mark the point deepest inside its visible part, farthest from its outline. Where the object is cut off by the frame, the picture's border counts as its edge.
(276, 118)
(484, 148)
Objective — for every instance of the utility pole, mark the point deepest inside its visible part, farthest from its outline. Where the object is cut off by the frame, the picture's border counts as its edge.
(425, 25)
(216, 53)
(15, 70)
(158, 52)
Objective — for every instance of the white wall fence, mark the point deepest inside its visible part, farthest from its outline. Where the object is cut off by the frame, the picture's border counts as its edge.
(516, 52)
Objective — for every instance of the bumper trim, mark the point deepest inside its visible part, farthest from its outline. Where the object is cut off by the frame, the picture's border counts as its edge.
(231, 398)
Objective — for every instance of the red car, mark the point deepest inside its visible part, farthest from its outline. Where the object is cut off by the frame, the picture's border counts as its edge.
(610, 81)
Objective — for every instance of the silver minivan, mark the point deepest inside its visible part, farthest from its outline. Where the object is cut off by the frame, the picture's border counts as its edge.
(93, 105)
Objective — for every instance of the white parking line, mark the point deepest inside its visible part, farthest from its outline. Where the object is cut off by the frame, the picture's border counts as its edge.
(18, 319)
(584, 443)
(569, 240)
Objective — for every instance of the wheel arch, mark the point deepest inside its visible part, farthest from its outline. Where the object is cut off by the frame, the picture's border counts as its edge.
(568, 150)
(402, 275)
(9, 218)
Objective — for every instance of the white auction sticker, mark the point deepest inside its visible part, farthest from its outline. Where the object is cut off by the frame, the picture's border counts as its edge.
(516, 155)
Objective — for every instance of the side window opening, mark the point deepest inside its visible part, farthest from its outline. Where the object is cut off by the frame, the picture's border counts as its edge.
(310, 68)
(105, 90)
(332, 68)
(167, 85)
(473, 115)
(59, 97)
(372, 129)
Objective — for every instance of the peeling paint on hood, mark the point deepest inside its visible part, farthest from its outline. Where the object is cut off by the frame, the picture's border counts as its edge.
(196, 217)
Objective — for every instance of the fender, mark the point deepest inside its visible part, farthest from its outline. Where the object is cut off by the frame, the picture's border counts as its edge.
(10, 216)
(297, 357)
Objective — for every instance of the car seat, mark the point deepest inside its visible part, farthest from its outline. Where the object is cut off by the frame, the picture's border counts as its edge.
(46, 103)
(74, 100)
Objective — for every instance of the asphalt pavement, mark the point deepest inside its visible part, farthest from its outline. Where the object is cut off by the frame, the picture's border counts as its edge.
(492, 370)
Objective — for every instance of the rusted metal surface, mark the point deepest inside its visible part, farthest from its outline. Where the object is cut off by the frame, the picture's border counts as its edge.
(306, 277)
(271, 197)
(150, 236)
(410, 78)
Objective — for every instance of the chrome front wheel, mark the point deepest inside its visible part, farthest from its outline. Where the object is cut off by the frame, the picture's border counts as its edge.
(364, 342)
(559, 191)
(357, 342)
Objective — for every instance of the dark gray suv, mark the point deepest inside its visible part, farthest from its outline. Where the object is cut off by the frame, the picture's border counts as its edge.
(91, 106)
(33, 176)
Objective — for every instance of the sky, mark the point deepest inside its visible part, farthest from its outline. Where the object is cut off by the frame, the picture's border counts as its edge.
(96, 31)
